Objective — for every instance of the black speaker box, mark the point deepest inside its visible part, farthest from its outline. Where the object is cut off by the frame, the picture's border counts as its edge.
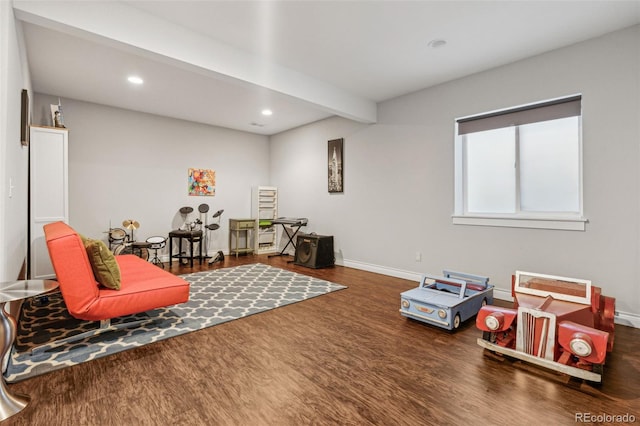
(314, 251)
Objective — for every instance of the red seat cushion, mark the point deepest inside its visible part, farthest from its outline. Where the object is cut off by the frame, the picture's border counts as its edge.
(143, 285)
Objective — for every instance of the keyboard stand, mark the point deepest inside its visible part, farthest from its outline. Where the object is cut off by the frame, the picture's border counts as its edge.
(296, 225)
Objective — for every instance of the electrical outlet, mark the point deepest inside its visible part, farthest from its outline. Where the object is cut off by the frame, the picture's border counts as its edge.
(418, 256)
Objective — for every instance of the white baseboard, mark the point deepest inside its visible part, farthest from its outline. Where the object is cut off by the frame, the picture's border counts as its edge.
(628, 319)
(622, 318)
(502, 294)
(383, 270)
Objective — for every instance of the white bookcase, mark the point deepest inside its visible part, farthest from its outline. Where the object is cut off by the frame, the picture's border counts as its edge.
(49, 192)
(264, 207)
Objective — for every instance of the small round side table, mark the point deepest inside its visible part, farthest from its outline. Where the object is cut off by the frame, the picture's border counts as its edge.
(11, 404)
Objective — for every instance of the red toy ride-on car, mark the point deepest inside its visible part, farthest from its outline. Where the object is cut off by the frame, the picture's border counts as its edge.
(563, 324)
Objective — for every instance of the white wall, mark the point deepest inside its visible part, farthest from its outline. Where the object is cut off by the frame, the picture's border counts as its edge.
(398, 197)
(14, 76)
(129, 165)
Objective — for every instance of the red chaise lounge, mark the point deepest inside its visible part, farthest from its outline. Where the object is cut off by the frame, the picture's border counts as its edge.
(143, 285)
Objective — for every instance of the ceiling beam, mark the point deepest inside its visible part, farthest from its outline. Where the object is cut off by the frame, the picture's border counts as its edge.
(138, 32)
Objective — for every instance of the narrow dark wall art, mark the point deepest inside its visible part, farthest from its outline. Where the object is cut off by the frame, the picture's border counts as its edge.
(335, 165)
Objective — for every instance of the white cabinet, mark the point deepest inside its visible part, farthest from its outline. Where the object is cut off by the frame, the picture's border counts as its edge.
(264, 207)
(48, 192)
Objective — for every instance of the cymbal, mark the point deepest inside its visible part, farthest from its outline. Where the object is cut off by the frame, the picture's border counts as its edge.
(131, 224)
(186, 210)
(203, 208)
(218, 213)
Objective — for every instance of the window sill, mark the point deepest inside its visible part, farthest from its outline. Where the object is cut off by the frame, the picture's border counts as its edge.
(566, 224)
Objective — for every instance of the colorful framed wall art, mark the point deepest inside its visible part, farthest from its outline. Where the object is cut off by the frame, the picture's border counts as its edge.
(202, 182)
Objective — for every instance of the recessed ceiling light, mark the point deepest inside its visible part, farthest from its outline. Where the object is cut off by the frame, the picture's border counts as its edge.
(267, 112)
(436, 43)
(134, 79)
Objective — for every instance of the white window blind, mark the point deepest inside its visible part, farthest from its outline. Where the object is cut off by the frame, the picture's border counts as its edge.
(521, 166)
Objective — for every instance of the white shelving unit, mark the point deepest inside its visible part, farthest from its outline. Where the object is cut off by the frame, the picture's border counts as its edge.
(49, 192)
(264, 207)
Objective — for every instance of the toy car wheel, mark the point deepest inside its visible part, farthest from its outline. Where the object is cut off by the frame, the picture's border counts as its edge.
(489, 336)
(456, 322)
(484, 302)
(598, 369)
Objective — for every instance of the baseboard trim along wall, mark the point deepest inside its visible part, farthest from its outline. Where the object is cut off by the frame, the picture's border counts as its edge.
(623, 318)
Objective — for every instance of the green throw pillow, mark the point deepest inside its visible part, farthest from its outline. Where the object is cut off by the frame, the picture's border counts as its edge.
(104, 264)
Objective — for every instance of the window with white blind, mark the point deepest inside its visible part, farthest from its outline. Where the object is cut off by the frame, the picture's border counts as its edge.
(521, 167)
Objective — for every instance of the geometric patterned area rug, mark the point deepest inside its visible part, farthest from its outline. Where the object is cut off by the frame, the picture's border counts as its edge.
(216, 296)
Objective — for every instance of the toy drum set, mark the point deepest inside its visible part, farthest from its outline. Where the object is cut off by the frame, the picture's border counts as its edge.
(122, 243)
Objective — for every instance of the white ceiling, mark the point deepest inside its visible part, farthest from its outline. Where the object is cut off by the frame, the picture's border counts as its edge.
(222, 62)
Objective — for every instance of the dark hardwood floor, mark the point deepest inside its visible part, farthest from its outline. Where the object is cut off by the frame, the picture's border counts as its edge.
(346, 358)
